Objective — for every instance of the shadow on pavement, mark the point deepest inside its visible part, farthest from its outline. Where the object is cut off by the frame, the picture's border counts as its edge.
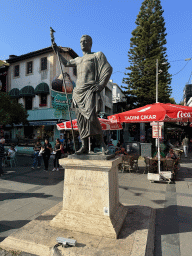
(137, 219)
(23, 173)
(10, 225)
(170, 223)
(7, 196)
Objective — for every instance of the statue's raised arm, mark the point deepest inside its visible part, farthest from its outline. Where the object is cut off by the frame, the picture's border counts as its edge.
(57, 51)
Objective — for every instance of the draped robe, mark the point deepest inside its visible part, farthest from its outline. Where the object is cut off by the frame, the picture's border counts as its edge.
(92, 70)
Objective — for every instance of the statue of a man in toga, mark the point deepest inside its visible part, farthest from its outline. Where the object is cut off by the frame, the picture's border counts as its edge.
(93, 73)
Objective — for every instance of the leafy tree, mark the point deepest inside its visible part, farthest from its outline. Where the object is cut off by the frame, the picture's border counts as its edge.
(172, 101)
(11, 112)
(147, 44)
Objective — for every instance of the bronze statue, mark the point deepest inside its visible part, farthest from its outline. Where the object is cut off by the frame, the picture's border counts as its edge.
(93, 73)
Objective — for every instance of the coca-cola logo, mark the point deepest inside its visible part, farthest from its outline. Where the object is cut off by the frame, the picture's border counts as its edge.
(113, 119)
(180, 114)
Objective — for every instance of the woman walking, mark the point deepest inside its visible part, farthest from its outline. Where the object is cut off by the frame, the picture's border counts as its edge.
(46, 153)
(37, 157)
(58, 147)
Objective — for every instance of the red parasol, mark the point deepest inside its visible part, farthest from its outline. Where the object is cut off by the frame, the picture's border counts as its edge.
(162, 112)
(105, 124)
(157, 112)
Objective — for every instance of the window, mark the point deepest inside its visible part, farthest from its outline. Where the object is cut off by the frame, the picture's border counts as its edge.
(43, 100)
(28, 103)
(16, 71)
(29, 67)
(44, 63)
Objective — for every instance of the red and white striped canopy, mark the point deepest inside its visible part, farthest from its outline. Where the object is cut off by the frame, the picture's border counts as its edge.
(163, 112)
(105, 124)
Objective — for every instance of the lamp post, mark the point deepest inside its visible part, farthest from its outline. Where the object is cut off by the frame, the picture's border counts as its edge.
(156, 80)
(157, 140)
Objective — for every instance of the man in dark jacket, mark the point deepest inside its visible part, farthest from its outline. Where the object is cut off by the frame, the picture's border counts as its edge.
(2, 141)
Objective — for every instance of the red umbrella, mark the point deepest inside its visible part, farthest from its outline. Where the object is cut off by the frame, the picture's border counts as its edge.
(163, 112)
(158, 112)
(105, 124)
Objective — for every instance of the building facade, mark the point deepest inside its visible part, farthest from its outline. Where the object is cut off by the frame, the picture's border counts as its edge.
(106, 94)
(3, 75)
(119, 100)
(187, 94)
(29, 80)
(118, 94)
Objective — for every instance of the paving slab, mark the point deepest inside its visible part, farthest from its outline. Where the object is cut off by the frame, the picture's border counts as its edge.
(38, 237)
(173, 206)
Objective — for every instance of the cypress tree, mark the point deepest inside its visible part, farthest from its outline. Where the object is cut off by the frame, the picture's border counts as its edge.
(146, 45)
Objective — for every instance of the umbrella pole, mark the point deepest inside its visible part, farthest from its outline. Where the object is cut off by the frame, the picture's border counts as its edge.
(158, 146)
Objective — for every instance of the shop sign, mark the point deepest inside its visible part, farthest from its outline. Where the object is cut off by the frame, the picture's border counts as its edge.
(142, 137)
(155, 131)
(156, 123)
(59, 100)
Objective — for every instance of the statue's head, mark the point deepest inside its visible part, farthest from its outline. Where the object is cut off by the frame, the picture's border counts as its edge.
(86, 43)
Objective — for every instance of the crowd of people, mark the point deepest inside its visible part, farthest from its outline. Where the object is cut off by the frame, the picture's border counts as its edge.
(64, 146)
(46, 151)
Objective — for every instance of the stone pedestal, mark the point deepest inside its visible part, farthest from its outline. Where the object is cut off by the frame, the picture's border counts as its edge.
(91, 198)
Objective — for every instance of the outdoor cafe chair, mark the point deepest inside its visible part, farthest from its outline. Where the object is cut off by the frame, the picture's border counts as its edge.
(147, 167)
(126, 163)
(170, 165)
(135, 163)
(152, 165)
(129, 162)
(11, 161)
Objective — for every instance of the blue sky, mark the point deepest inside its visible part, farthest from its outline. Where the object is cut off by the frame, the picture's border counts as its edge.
(25, 28)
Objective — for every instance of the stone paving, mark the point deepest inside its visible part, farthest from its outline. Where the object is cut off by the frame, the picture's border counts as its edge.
(27, 193)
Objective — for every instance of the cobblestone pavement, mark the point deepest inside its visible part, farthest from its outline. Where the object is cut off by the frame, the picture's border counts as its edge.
(27, 193)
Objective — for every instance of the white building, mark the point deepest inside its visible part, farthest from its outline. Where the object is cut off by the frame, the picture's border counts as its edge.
(189, 103)
(29, 81)
(107, 99)
(118, 94)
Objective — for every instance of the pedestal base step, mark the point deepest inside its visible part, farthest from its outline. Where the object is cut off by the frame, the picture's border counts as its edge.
(38, 237)
(92, 156)
(98, 225)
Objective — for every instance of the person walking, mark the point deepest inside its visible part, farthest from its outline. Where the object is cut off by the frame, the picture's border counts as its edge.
(61, 139)
(37, 157)
(69, 146)
(57, 149)
(2, 142)
(185, 144)
(11, 152)
(46, 153)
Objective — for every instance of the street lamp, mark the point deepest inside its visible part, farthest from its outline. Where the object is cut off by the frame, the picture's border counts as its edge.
(157, 140)
(157, 73)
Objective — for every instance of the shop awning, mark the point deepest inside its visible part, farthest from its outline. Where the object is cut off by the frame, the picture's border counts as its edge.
(42, 88)
(27, 91)
(14, 93)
